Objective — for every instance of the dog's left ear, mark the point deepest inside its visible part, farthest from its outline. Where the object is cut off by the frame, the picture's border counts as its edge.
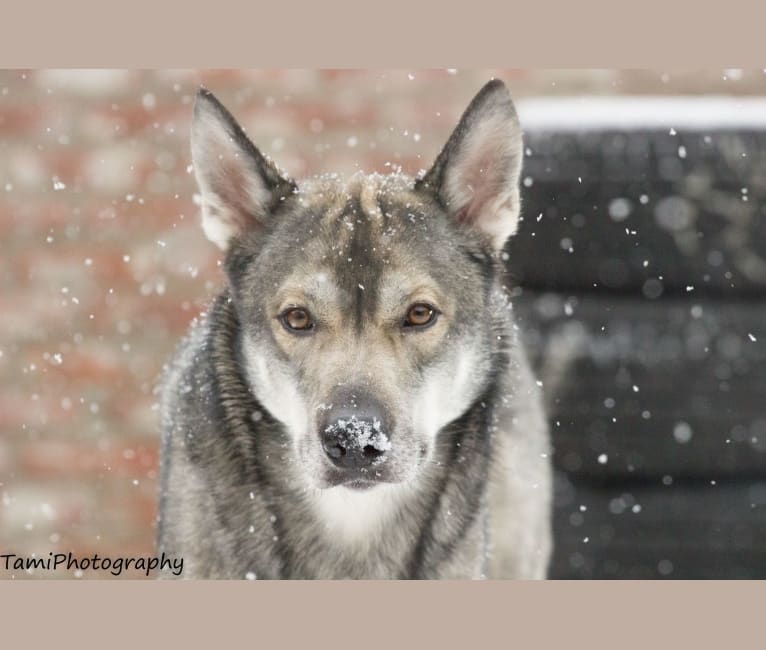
(240, 187)
(476, 175)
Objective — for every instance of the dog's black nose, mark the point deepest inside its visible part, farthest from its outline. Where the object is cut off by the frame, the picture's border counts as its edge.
(354, 431)
(355, 443)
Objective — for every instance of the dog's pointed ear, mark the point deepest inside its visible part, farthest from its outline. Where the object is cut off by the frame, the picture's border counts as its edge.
(476, 175)
(238, 184)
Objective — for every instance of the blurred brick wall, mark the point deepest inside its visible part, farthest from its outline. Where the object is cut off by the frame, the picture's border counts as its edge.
(103, 264)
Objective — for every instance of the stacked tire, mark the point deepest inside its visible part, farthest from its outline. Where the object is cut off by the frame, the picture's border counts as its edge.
(639, 280)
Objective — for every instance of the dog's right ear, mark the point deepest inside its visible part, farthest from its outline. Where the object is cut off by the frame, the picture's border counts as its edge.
(476, 175)
(239, 185)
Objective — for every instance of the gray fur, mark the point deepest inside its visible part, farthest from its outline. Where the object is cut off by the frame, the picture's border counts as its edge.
(246, 488)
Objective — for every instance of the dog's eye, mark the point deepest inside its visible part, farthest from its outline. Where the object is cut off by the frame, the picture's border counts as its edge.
(420, 314)
(297, 319)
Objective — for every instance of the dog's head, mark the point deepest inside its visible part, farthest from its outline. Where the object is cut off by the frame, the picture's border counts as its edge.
(364, 304)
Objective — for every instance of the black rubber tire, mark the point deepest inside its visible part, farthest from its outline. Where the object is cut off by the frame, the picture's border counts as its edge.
(615, 210)
(641, 261)
(683, 530)
(651, 388)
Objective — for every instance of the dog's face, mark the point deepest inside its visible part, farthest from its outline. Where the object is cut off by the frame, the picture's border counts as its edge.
(364, 303)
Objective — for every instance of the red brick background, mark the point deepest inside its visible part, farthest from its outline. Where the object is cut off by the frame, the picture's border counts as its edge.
(103, 262)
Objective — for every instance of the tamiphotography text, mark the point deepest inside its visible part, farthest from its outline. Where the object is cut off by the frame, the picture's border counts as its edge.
(114, 565)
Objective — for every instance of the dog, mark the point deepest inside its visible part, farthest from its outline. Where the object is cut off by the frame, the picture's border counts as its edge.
(356, 403)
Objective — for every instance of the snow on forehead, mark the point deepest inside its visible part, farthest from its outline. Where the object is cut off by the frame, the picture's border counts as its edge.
(369, 189)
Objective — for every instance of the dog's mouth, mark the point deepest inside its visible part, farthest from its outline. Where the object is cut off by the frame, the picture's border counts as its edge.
(363, 479)
(360, 484)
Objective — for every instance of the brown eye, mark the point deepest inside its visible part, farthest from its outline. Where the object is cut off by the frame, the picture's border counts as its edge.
(297, 319)
(420, 315)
